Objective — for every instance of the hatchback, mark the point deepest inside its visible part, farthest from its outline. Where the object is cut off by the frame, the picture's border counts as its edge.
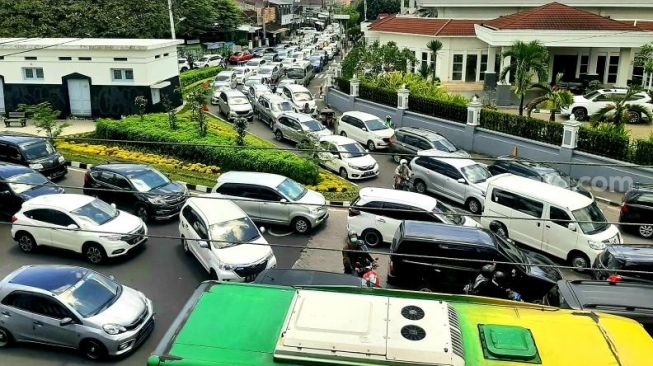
(242, 72)
(298, 127)
(73, 307)
(347, 158)
(410, 140)
(19, 184)
(34, 152)
(637, 208)
(367, 129)
(270, 107)
(224, 80)
(234, 104)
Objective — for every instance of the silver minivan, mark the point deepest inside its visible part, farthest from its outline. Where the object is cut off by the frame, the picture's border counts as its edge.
(297, 127)
(73, 307)
(274, 199)
(270, 107)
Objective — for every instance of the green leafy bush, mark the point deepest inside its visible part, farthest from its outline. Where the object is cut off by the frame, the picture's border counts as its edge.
(642, 152)
(605, 142)
(343, 85)
(378, 95)
(530, 128)
(155, 128)
(196, 75)
(438, 108)
(418, 87)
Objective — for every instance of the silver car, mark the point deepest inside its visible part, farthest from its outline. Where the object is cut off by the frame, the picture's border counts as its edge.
(73, 307)
(270, 107)
(234, 104)
(297, 127)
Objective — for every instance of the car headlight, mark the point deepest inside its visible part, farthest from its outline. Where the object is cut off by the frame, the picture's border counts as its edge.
(114, 329)
(62, 159)
(226, 267)
(315, 210)
(596, 245)
(156, 200)
(352, 166)
(112, 237)
(36, 166)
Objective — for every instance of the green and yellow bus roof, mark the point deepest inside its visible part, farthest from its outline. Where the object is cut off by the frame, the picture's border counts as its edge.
(258, 325)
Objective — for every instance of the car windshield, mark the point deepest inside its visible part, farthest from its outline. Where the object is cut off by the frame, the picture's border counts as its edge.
(291, 189)
(443, 211)
(97, 212)
(444, 145)
(296, 73)
(282, 107)
(354, 150)
(266, 70)
(238, 100)
(223, 78)
(148, 180)
(475, 173)
(590, 219)
(23, 182)
(375, 125)
(556, 179)
(234, 232)
(313, 126)
(37, 150)
(303, 96)
(92, 295)
(509, 249)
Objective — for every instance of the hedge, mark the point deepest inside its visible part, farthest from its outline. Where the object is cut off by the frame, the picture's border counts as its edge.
(378, 95)
(604, 143)
(343, 85)
(196, 75)
(642, 152)
(437, 108)
(155, 128)
(530, 128)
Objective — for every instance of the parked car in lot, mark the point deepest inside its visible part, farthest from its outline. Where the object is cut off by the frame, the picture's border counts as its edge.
(299, 96)
(450, 241)
(274, 199)
(224, 80)
(298, 127)
(538, 171)
(375, 215)
(79, 223)
(347, 158)
(367, 129)
(242, 73)
(209, 61)
(637, 208)
(270, 107)
(410, 140)
(223, 239)
(34, 152)
(584, 106)
(627, 257)
(460, 180)
(557, 221)
(140, 188)
(240, 57)
(234, 104)
(73, 307)
(18, 184)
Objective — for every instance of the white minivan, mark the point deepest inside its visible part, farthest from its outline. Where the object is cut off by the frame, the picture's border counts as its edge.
(557, 221)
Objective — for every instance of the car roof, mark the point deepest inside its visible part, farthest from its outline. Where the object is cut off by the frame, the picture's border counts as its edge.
(226, 72)
(274, 98)
(418, 200)
(301, 117)
(436, 154)
(636, 253)
(48, 278)
(262, 179)
(62, 201)
(524, 186)
(592, 294)
(528, 163)
(361, 115)
(296, 87)
(338, 140)
(19, 139)
(216, 208)
(233, 93)
(430, 231)
(305, 277)
(429, 134)
(126, 169)
(9, 170)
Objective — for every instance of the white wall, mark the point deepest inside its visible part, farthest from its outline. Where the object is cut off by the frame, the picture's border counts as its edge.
(487, 12)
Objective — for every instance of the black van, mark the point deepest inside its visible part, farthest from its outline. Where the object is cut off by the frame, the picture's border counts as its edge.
(19, 184)
(449, 273)
(33, 151)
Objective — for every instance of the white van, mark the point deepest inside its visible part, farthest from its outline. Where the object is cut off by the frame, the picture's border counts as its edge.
(560, 222)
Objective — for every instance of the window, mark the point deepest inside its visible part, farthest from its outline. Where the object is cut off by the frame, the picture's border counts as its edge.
(471, 68)
(166, 54)
(156, 95)
(36, 304)
(190, 215)
(396, 211)
(120, 58)
(457, 73)
(425, 60)
(50, 216)
(613, 68)
(483, 67)
(157, 56)
(122, 74)
(529, 207)
(84, 58)
(65, 58)
(200, 229)
(503, 198)
(559, 216)
(229, 189)
(423, 145)
(30, 58)
(33, 73)
(584, 65)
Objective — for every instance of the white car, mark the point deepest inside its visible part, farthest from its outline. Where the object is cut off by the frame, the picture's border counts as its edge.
(79, 223)
(287, 62)
(255, 63)
(183, 64)
(584, 106)
(281, 83)
(367, 129)
(242, 73)
(270, 71)
(223, 239)
(347, 158)
(209, 61)
(224, 80)
(299, 96)
(377, 213)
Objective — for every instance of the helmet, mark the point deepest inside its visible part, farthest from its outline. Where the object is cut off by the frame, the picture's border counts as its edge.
(403, 162)
(499, 278)
(487, 270)
(387, 117)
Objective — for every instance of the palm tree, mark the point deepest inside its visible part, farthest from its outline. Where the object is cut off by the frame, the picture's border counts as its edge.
(558, 97)
(620, 111)
(434, 46)
(424, 71)
(529, 60)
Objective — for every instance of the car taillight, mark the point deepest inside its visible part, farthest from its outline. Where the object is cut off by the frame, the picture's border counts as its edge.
(614, 279)
(353, 212)
(14, 219)
(87, 178)
(625, 209)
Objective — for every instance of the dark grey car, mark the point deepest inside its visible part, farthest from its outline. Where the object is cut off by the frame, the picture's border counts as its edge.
(410, 140)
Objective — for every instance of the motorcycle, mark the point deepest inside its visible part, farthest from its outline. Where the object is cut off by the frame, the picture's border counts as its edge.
(483, 286)
(367, 272)
(405, 185)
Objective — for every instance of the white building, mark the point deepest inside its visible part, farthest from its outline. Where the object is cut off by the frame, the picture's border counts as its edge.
(86, 76)
(582, 41)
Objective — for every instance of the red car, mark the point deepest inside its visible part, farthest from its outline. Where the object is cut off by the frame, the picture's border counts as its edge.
(239, 57)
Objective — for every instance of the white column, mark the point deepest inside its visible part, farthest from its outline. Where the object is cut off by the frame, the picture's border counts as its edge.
(505, 61)
(591, 67)
(402, 98)
(491, 60)
(625, 66)
(570, 133)
(474, 112)
(354, 84)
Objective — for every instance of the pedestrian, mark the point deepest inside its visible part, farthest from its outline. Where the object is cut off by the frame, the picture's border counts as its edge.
(320, 91)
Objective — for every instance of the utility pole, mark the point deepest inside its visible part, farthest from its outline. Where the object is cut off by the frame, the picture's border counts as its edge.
(365, 10)
(172, 20)
(266, 5)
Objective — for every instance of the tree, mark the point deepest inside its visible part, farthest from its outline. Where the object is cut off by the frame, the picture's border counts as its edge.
(241, 124)
(45, 118)
(140, 102)
(558, 97)
(620, 111)
(529, 60)
(376, 59)
(170, 110)
(197, 102)
(434, 46)
(644, 59)
(376, 7)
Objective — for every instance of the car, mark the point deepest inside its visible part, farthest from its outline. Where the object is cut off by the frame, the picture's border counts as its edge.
(270, 107)
(242, 73)
(281, 84)
(616, 296)
(637, 208)
(367, 129)
(270, 72)
(18, 184)
(240, 57)
(554, 220)
(627, 257)
(183, 65)
(375, 215)
(318, 63)
(287, 63)
(442, 267)
(271, 57)
(330, 51)
(306, 277)
(300, 96)
(234, 104)
(274, 199)
(461, 180)
(300, 72)
(254, 92)
(73, 307)
(136, 187)
(410, 140)
(78, 223)
(298, 127)
(223, 239)
(256, 80)
(209, 61)
(255, 63)
(224, 80)
(33, 151)
(584, 106)
(347, 158)
(537, 171)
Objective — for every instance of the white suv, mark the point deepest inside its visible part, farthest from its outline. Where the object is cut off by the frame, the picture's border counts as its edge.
(218, 233)
(76, 222)
(347, 158)
(377, 213)
(367, 129)
(584, 106)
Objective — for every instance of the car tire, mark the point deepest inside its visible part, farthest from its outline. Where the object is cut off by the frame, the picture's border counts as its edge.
(371, 146)
(474, 206)
(93, 349)
(343, 133)
(343, 173)
(26, 242)
(420, 186)
(301, 225)
(396, 158)
(579, 260)
(5, 337)
(645, 231)
(141, 212)
(580, 113)
(94, 253)
(634, 117)
(372, 238)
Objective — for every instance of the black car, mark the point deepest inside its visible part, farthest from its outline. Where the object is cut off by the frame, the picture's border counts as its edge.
(537, 171)
(625, 257)
(33, 151)
(624, 298)
(480, 245)
(150, 194)
(18, 184)
(304, 277)
(637, 208)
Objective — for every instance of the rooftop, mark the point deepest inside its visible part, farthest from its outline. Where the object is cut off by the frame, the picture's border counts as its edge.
(424, 202)
(425, 26)
(86, 43)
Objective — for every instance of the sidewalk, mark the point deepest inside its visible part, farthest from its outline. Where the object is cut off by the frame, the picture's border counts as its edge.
(76, 126)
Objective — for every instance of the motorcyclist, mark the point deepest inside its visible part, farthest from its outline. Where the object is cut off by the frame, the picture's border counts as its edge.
(492, 283)
(388, 122)
(353, 255)
(402, 174)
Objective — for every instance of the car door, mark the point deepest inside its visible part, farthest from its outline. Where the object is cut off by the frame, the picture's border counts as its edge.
(42, 229)
(456, 189)
(295, 130)
(273, 207)
(557, 239)
(17, 317)
(328, 156)
(194, 231)
(345, 125)
(438, 179)
(47, 314)
(388, 220)
(61, 236)
(526, 223)
(122, 191)
(357, 131)
(222, 103)
(245, 196)
(100, 180)
(409, 144)
(9, 202)
(263, 109)
(600, 101)
(367, 213)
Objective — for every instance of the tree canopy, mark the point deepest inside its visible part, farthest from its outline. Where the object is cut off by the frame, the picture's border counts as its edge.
(376, 7)
(376, 59)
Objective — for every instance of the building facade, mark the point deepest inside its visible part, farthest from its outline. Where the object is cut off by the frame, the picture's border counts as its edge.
(88, 77)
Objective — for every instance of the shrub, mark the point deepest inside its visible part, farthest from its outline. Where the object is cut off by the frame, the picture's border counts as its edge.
(418, 87)
(437, 108)
(196, 75)
(604, 142)
(530, 128)
(378, 95)
(343, 85)
(155, 129)
(642, 152)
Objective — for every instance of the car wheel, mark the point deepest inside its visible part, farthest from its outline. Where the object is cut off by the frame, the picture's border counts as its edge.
(26, 242)
(579, 260)
(371, 146)
(184, 244)
(93, 350)
(634, 117)
(473, 206)
(94, 253)
(5, 337)
(141, 212)
(372, 238)
(420, 187)
(343, 173)
(343, 133)
(396, 158)
(271, 123)
(278, 136)
(301, 225)
(580, 114)
(645, 231)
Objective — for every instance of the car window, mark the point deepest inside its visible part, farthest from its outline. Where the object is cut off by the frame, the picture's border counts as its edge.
(396, 211)
(10, 153)
(645, 199)
(559, 216)
(230, 189)
(190, 215)
(37, 305)
(50, 216)
(602, 98)
(267, 194)
(410, 140)
(529, 207)
(200, 229)
(451, 172)
(503, 198)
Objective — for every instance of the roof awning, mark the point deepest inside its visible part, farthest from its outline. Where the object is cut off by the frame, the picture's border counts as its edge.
(248, 28)
(160, 85)
(277, 31)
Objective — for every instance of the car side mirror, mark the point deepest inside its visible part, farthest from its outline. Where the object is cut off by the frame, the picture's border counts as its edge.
(203, 244)
(73, 227)
(462, 181)
(283, 200)
(66, 321)
(572, 226)
(262, 229)
(364, 129)
(113, 205)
